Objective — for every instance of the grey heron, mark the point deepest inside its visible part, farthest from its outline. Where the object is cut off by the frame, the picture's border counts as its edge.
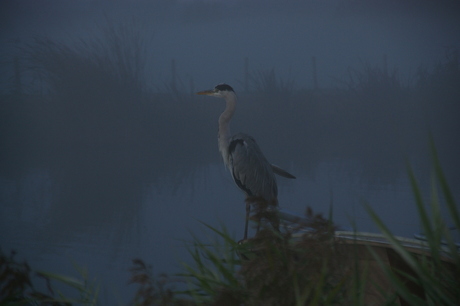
(250, 169)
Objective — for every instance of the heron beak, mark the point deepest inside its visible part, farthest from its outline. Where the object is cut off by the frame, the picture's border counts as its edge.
(205, 92)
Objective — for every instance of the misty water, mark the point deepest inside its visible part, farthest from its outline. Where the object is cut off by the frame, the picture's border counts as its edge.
(107, 156)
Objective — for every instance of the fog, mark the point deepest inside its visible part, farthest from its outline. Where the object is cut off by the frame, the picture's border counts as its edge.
(210, 39)
(107, 155)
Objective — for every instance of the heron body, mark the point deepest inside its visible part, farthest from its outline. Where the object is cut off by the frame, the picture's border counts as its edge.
(250, 170)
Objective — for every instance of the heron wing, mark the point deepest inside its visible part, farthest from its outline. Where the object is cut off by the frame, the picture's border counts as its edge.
(250, 169)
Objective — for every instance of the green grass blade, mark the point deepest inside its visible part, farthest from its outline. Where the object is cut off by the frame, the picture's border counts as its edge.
(396, 281)
(70, 281)
(450, 202)
(423, 215)
(408, 258)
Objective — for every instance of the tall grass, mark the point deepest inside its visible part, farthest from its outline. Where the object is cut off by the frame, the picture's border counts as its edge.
(267, 82)
(435, 274)
(17, 285)
(272, 268)
(371, 80)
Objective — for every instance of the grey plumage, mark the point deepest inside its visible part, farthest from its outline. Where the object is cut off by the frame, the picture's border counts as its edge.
(250, 169)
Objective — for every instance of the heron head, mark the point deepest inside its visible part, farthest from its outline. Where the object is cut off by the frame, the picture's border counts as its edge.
(219, 91)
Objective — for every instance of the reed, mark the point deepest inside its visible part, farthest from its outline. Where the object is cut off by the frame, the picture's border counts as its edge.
(435, 274)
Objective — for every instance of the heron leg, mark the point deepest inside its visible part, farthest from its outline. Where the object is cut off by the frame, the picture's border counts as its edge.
(248, 211)
(275, 218)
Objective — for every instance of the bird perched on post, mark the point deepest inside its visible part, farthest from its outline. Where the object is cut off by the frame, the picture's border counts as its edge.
(250, 169)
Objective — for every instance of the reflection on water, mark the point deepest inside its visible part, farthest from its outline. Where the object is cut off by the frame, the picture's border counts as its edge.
(54, 222)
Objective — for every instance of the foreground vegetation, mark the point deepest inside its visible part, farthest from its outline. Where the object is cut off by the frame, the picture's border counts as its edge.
(304, 264)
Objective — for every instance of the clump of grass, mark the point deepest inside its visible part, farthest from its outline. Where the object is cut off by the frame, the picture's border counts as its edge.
(214, 273)
(88, 291)
(153, 291)
(435, 275)
(118, 55)
(373, 80)
(444, 76)
(291, 267)
(17, 288)
(14, 279)
(296, 267)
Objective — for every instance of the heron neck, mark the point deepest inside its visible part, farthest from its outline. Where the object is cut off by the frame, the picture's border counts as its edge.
(224, 125)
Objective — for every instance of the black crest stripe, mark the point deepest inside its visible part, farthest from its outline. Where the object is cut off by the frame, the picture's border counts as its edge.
(223, 87)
